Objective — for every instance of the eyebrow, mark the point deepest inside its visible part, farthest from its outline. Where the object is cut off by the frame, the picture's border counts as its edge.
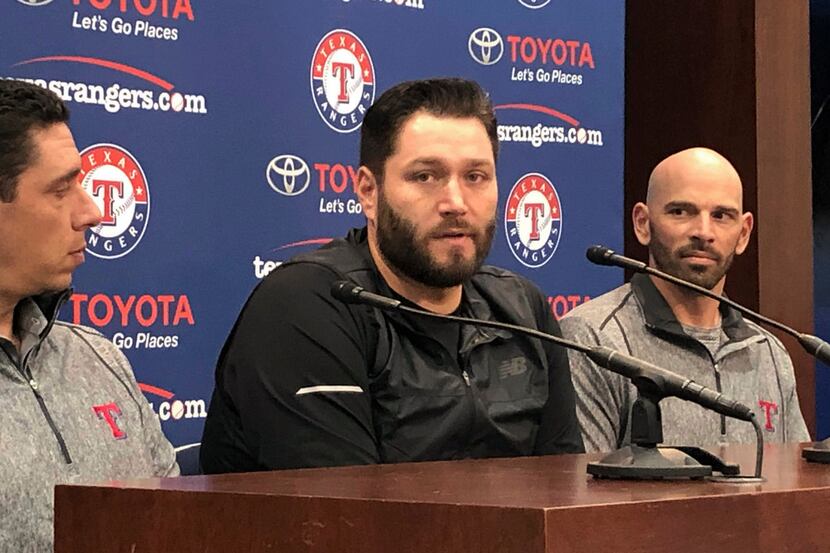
(438, 161)
(69, 176)
(689, 205)
(727, 209)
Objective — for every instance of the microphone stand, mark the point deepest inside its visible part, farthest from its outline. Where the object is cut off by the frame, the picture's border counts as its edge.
(644, 460)
(818, 452)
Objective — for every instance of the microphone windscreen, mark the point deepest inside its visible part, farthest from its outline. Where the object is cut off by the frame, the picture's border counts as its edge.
(345, 291)
(599, 255)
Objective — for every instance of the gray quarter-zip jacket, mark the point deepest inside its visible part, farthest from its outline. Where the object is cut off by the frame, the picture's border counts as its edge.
(751, 366)
(71, 413)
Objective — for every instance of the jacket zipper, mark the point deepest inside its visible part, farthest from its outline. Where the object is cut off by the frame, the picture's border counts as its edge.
(718, 384)
(61, 442)
(33, 384)
(719, 388)
(471, 398)
(480, 338)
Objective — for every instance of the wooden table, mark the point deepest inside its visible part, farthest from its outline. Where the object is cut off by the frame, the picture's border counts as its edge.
(522, 505)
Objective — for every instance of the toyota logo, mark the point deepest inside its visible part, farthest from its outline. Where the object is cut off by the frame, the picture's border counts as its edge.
(485, 46)
(288, 174)
(534, 4)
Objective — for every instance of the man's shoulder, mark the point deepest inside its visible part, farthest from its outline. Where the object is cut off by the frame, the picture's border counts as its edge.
(498, 276)
(773, 339)
(341, 258)
(299, 294)
(596, 311)
(86, 347)
(73, 338)
(65, 333)
(308, 276)
(344, 255)
(513, 297)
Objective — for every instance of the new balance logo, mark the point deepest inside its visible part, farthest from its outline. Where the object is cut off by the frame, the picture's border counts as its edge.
(512, 367)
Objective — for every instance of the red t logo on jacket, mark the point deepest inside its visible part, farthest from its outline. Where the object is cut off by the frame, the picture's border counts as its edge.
(770, 409)
(110, 412)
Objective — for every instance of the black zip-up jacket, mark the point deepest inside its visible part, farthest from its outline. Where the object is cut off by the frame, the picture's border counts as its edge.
(305, 380)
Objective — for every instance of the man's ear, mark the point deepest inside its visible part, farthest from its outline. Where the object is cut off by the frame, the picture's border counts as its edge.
(367, 192)
(747, 223)
(642, 230)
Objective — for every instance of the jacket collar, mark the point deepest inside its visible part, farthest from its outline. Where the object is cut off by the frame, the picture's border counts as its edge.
(50, 304)
(33, 319)
(35, 315)
(659, 315)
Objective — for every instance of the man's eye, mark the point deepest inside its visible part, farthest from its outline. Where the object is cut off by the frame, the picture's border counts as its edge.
(677, 211)
(422, 177)
(476, 177)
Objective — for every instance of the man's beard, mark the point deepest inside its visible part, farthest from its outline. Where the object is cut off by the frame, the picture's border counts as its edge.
(671, 262)
(408, 256)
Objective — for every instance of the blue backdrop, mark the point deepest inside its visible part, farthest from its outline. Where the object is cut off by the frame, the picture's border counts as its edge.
(820, 92)
(220, 138)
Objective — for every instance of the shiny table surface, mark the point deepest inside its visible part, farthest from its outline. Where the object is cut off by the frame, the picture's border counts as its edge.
(518, 504)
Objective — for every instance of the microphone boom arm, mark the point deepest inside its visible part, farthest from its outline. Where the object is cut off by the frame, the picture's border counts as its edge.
(660, 381)
(814, 345)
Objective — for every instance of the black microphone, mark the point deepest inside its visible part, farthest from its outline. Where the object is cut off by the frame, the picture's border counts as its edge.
(813, 345)
(666, 381)
(349, 292)
(655, 379)
(600, 255)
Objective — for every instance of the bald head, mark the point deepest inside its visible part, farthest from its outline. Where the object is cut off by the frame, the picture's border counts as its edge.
(693, 220)
(694, 170)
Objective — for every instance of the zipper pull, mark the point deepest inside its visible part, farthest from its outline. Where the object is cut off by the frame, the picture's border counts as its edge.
(466, 377)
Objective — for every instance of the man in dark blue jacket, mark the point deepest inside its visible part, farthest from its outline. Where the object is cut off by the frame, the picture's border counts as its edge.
(305, 380)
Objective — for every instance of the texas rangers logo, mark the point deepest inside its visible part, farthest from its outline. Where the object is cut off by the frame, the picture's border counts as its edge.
(115, 180)
(533, 220)
(342, 80)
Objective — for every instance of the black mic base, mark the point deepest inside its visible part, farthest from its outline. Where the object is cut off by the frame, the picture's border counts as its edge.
(635, 462)
(818, 452)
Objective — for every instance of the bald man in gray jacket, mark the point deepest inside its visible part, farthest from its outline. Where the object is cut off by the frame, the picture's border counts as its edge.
(693, 224)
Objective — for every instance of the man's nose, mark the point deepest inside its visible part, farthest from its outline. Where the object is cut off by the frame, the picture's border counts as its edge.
(703, 229)
(86, 213)
(453, 200)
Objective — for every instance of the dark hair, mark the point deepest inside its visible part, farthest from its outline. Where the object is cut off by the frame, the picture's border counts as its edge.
(23, 107)
(446, 97)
